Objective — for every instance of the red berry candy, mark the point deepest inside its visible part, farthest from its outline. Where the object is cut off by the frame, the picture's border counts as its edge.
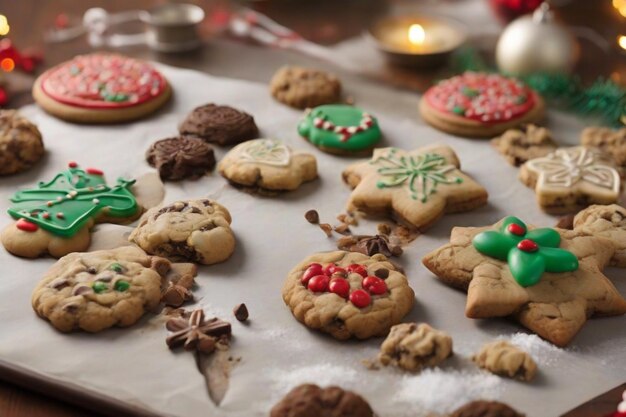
(516, 229)
(374, 285)
(360, 298)
(26, 226)
(72, 164)
(94, 171)
(318, 283)
(527, 245)
(357, 269)
(310, 272)
(339, 286)
(333, 269)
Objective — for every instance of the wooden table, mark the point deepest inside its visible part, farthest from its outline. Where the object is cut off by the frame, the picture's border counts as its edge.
(320, 21)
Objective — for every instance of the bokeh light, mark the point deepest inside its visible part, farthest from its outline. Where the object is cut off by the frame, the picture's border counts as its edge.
(7, 64)
(621, 41)
(620, 5)
(4, 25)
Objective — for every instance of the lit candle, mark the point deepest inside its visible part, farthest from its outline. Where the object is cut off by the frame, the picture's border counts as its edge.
(417, 36)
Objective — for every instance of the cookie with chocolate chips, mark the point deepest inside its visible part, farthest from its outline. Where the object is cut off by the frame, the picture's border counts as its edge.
(309, 400)
(179, 158)
(221, 125)
(93, 291)
(192, 230)
(305, 87)
(20, 143)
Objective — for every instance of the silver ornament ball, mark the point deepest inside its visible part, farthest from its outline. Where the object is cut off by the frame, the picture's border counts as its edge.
(536, 43)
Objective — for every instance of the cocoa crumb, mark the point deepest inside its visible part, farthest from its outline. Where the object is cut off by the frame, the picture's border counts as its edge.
(327, 228)
(342, 229)
(312, 216)
(241, 312)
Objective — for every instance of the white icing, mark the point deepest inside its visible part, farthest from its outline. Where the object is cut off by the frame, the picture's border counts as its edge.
(264, 151)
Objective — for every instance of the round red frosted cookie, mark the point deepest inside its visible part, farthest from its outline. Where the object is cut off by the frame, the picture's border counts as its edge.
(101, 88)
(480, 105)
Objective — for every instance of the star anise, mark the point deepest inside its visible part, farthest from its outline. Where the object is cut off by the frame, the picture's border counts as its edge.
(196, 333)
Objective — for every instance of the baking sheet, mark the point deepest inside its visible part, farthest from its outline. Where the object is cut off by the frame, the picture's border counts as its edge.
(133, 366)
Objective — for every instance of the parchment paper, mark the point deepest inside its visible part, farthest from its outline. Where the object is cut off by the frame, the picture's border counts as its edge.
(134, 366)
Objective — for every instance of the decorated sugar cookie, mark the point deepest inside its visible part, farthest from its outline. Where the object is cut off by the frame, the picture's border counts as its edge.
(348, 294)
(571, 179)
(480, 104)
(101, 88)
(340, 129)
(55, 217)
(416, 187)
(550, 280)
(267, 164)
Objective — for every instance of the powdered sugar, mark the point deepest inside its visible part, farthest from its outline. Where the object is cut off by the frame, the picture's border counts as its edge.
(544, 353)
(323, 374)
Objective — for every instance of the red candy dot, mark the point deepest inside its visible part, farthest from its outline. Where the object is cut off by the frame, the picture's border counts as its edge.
(339, 286)
(318, 283)
(527, 245)
(333, 269)
(516, 229)
(375, 285)
(94, 171)
(72, 164)
(357, 269)
(360, 298)
(311, 271)
(26, 226)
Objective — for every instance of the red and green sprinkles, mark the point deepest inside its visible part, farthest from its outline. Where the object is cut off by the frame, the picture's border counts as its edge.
(487, 98)
(103, 81)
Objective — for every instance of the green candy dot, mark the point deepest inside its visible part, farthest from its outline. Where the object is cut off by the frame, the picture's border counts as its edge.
(121, 285)
(458, 110)
(99, 287)
(470, 92)
(116, 267)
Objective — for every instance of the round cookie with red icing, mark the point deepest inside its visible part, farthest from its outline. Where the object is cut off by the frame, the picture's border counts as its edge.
(478, 104)
(101, 88)
(348, 294)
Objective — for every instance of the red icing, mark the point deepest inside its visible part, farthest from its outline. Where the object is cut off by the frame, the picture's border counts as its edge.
(487, 98)
(318, 283)
(375, 285)
(94, 171)
(72, 164)
(360, 298)
(339, 286)
(527, 245)
(26, 226)
(516, 229)
(87, 80)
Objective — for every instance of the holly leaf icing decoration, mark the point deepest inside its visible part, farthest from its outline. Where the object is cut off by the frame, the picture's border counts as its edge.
(529, 253)
(66, 203)
(421, 173)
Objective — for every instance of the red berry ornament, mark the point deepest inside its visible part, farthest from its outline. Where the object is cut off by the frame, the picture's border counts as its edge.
(375, 285)
(26, 226)
(527, 245)
(339, 286)
(516, 229)
(333, 269)
(357, 269)
(360, 298)
(318, 283)
(310, 272)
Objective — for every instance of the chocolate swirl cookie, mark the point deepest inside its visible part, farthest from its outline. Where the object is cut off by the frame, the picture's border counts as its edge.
(179, 157)
(20, 143)
(310, 400)
(222, 125)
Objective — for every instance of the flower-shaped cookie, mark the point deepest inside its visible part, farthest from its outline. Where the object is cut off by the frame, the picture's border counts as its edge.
(417, 187)
(529, 253)
(487, 262)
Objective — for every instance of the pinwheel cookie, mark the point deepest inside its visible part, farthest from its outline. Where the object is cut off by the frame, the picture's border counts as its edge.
(550, 280)
(267, 164)
(415, 187)
(56, 217)
(571, 179)
(348, 294)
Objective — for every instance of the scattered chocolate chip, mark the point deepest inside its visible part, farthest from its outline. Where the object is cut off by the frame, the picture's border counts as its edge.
(312, 216)
(327, 228)
(382, 273)
(176, 295)
(241, 312)
(342, 229)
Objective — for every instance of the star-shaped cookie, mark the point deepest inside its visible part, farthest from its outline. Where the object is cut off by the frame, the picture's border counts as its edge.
(549, 280)
(570, 179)
(416, 187)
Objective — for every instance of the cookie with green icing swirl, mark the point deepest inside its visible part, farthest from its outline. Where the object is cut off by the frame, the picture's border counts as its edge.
(340, 129)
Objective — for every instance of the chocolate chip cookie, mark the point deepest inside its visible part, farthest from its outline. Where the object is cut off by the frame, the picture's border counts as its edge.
(181, 157)
(304, 87)
(610, 141)
(21, 145)
(309, 400)
(97, 290)
(221, 125)
(343, 294)
(526, 142)
(193, 230)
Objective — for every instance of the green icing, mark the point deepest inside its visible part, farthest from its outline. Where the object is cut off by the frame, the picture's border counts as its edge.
(422, 173)
(339, 115)
(526, 267)
(63, 205)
